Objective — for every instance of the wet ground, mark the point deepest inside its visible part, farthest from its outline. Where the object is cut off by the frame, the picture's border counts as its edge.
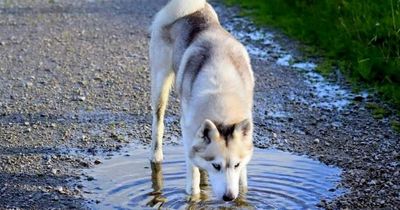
(74, 87)
(277, 180)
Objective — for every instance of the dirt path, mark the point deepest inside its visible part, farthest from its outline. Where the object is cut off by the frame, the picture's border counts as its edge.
(74, 84)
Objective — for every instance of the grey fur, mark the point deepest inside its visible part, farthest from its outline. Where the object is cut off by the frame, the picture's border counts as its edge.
(225, 131)
(186, 30)
(194, 65)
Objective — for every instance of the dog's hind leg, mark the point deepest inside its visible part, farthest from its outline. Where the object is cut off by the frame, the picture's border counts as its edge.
(162, 76)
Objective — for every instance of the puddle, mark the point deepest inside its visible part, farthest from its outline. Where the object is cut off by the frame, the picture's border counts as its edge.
(276, 180)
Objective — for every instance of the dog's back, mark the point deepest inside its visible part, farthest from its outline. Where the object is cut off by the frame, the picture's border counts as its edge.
(209, 64)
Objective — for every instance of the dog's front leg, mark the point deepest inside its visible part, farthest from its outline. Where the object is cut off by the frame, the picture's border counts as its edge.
(243, 178)
(192, 178)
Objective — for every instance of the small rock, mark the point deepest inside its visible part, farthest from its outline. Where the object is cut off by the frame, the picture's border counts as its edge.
(26, 123)
(55, 171)
(97, 162)
(358, 98)
(81, 98)
(90, 178)
(56, 198)
(275, 135)
(60, 190)
(29, 84)
(85, 164)
(316, 141)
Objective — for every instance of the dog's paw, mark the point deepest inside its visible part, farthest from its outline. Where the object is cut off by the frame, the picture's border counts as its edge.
(156, 156)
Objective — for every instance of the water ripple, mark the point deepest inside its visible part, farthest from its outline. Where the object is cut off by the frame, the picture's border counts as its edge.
(277, 179)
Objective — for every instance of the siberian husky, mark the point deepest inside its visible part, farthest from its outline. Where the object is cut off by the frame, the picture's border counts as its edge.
(214, 81)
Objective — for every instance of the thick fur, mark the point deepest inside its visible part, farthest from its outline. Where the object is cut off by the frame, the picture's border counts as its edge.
(214, 81)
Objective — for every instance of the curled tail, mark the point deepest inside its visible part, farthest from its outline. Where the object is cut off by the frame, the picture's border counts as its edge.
(174, 10)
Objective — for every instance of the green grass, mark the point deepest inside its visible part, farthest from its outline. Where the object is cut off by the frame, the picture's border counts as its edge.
(378, 112)
(395, 125)
(362, 37)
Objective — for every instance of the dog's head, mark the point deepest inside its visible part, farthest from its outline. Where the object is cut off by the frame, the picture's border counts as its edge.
(223, 151)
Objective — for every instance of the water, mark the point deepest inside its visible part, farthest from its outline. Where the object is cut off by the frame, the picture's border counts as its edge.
(278, 180)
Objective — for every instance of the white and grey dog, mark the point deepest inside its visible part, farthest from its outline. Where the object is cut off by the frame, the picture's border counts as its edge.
(215, 82)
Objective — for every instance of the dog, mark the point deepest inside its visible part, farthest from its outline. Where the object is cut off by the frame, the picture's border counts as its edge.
(214, 81)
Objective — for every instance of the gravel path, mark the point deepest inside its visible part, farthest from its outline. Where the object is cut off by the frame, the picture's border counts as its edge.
(74, 84)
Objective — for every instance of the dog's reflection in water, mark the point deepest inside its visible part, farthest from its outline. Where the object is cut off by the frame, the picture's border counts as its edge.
(192, 202)
(157, 183)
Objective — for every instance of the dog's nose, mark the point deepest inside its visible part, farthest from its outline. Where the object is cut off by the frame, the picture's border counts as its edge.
(228, 197)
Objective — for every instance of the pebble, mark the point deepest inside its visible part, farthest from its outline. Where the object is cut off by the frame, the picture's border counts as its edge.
(358, 98)
(55, 171)
(316, 141)
(60, 190)
(29, 84)
(275, 135)
(56, 198)
(81, 98)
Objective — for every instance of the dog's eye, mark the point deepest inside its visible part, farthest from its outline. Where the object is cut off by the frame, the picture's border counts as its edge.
(237, 165)
(216, 166)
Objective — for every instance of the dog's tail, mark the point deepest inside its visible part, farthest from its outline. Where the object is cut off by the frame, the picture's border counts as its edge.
(174, 10)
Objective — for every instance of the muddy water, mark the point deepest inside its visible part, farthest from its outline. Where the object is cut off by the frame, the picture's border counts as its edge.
(276, 180)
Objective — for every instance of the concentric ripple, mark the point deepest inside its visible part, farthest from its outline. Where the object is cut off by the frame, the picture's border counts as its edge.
(277, 180)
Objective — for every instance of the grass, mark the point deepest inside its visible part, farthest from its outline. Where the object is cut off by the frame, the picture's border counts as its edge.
(378, 112)
(395, 125)
(362, 38)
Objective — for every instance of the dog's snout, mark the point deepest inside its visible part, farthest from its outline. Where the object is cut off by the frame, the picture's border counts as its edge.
(228, 197)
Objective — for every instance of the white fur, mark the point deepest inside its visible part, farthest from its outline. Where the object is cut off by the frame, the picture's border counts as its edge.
(219, 93)
(226, 180)
(174, 10)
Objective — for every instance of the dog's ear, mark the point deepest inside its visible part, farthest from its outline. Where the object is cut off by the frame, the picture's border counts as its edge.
(208, 131)
(243, 127)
